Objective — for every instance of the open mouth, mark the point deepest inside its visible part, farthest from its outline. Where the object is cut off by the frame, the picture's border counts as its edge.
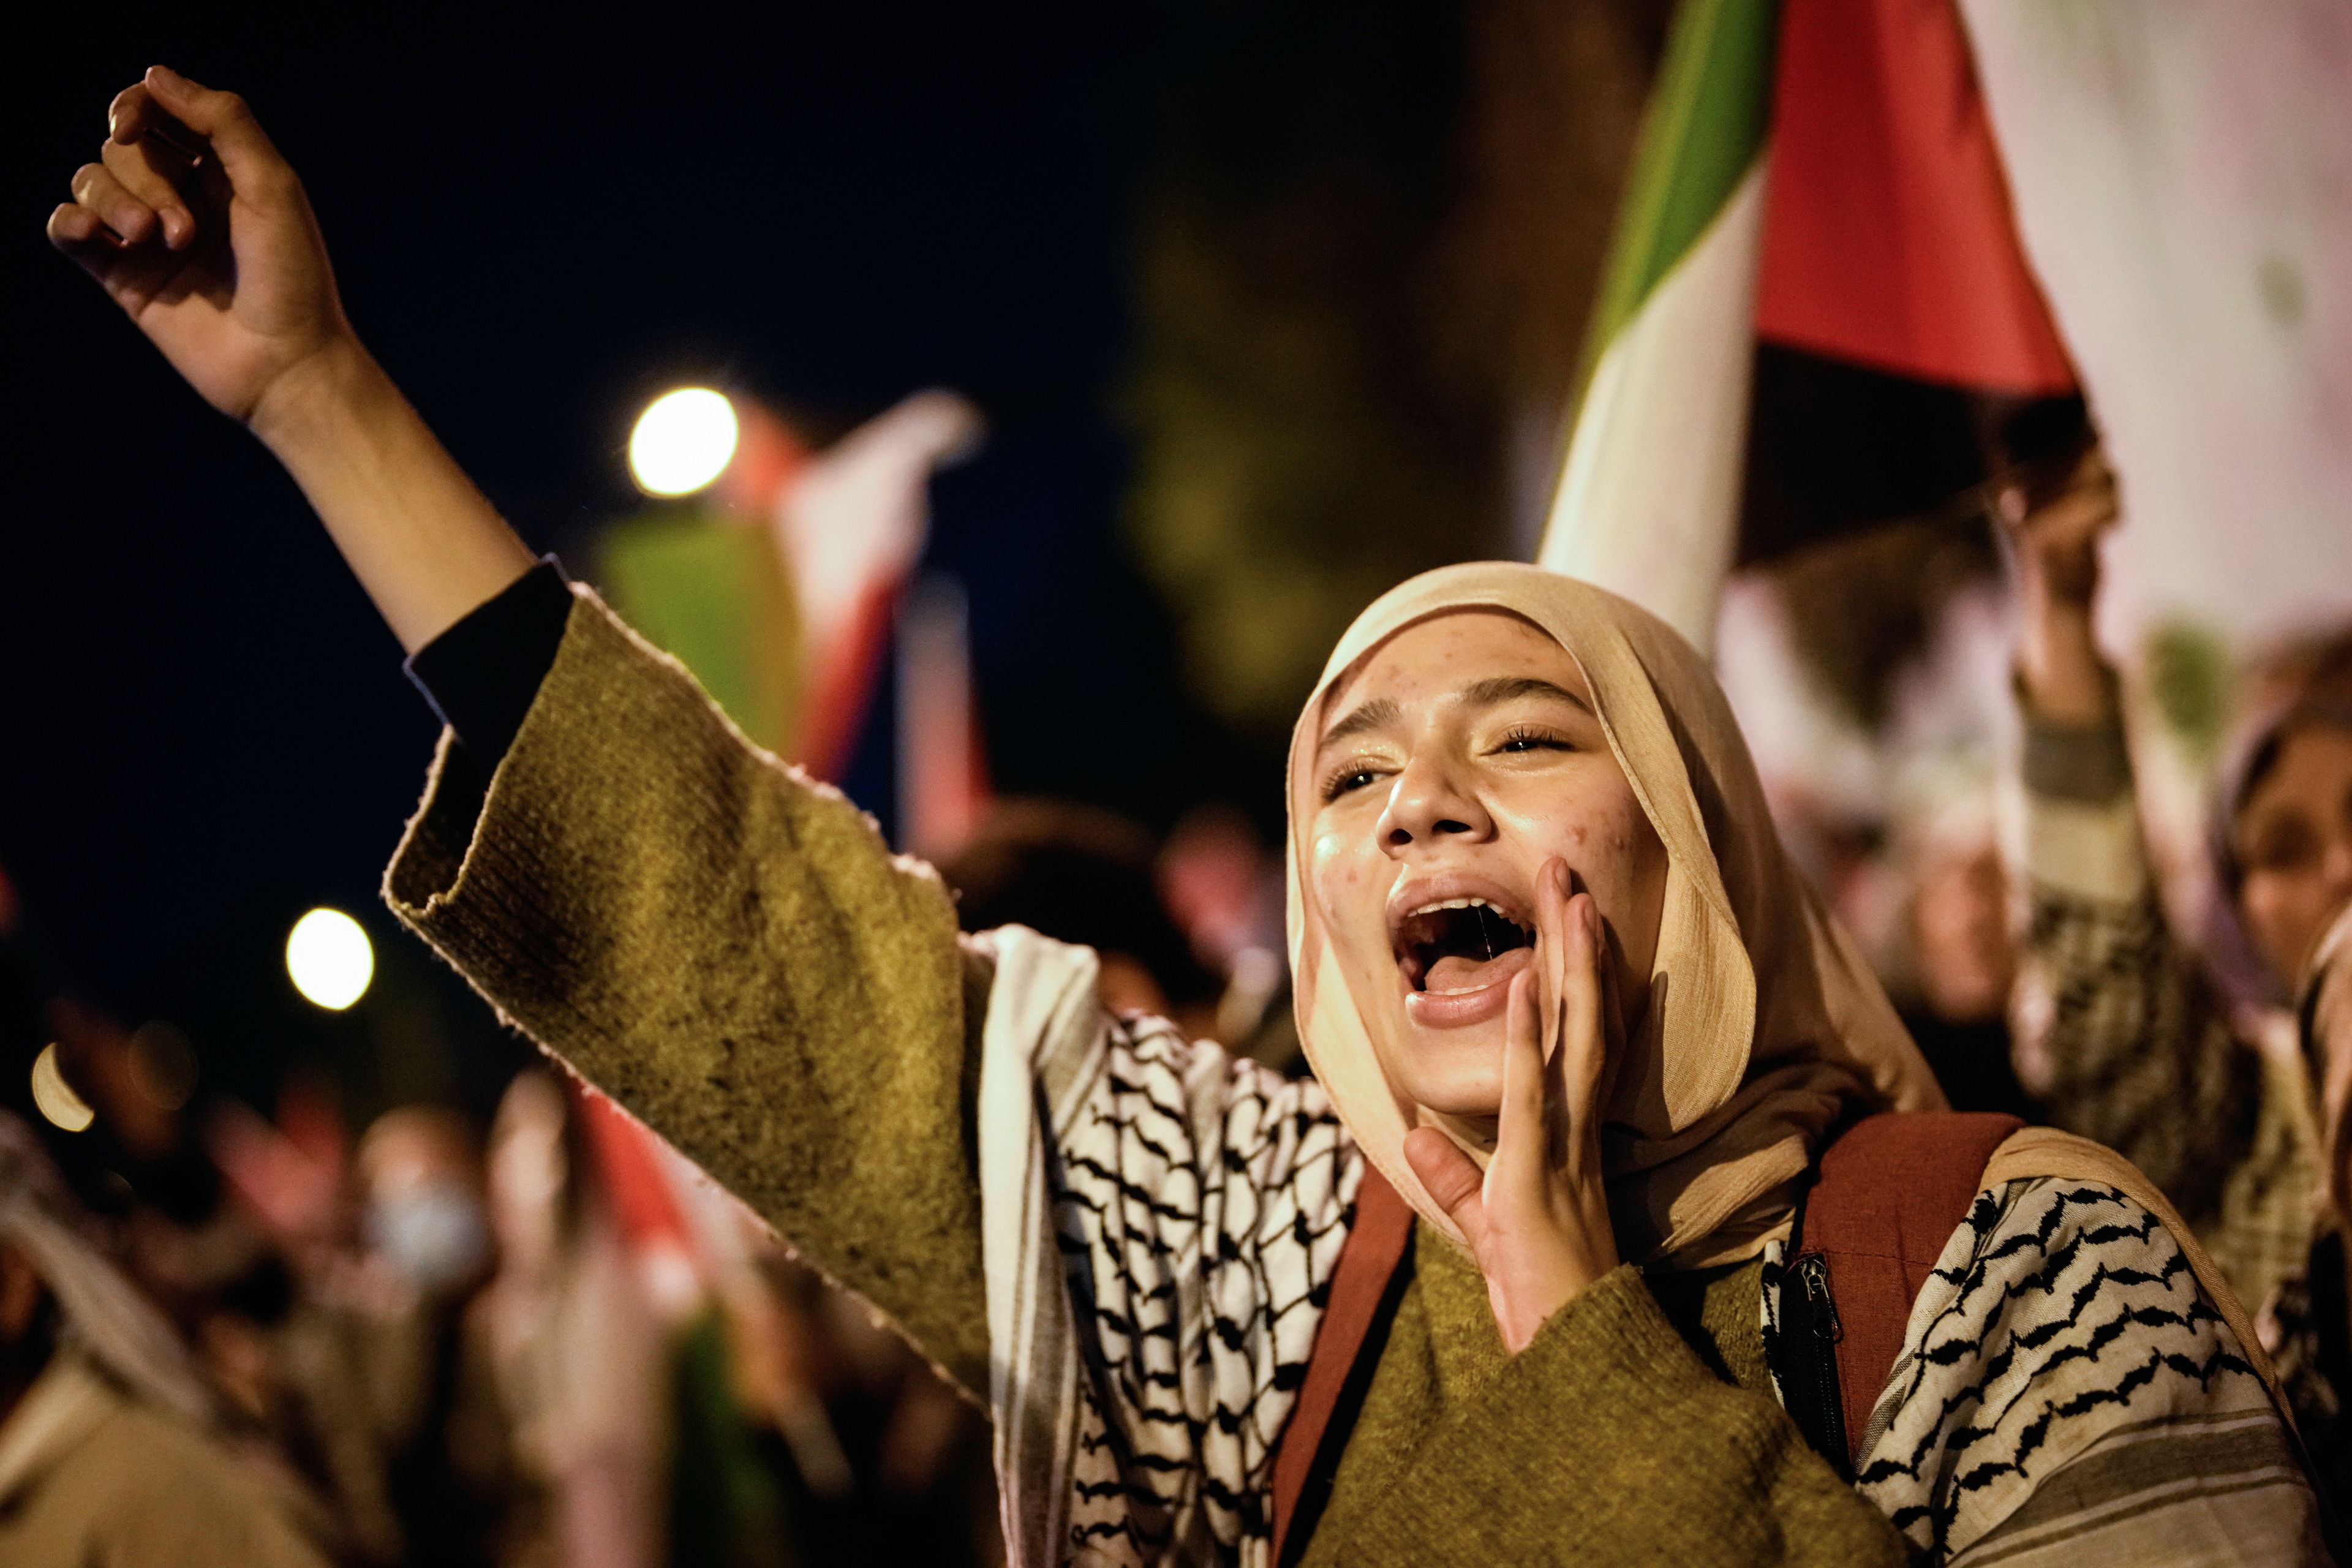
(1459, 946)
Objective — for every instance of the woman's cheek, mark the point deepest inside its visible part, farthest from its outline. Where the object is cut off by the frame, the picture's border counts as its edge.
(1347, 887)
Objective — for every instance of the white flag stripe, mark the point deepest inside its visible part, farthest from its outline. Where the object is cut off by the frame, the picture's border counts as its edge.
(2180, 173)
(1648, 504)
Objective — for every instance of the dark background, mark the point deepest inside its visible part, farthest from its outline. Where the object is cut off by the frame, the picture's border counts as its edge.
(206, 729)
(1267, 306)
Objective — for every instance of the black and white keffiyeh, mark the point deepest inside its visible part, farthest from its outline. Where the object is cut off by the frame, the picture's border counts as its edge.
(1160, 1223)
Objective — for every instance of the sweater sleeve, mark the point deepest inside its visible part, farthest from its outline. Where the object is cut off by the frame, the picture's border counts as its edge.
(1608, 1440)
(730, 951)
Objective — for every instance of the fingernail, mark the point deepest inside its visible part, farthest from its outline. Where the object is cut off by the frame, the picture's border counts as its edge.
(176, 227)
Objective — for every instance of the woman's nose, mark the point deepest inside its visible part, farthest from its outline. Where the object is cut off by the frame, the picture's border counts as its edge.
(1427, 805)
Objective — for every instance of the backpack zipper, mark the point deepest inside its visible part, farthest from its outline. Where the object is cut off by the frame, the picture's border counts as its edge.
(1810, 1336)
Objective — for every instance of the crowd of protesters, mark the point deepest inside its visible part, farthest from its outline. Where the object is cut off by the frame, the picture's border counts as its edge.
(552, 1341)
(547, 1341)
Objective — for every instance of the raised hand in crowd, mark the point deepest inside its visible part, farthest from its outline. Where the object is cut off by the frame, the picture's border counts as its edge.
(193, 222)
(2057, 530)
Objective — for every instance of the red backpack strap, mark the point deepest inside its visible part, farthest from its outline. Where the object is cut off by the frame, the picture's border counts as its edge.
(1888, 1194)
(1377, 1244)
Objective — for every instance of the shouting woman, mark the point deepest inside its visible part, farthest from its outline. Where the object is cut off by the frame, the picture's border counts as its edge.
(1548, 1265)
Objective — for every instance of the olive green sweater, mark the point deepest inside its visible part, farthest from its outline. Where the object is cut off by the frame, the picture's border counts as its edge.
(732, 952)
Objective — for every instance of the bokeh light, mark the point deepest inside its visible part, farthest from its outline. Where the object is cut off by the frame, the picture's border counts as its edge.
(683, 440)
(329, 958)
(163, 1062)
(55, 1096)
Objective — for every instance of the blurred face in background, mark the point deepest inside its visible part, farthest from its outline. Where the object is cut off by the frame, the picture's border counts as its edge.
(1456, 760)
(1960, 925)
(2293, 845)
(421, 1177)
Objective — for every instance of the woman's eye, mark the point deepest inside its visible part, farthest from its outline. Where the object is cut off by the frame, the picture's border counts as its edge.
(1346, 781)
(1519, 741)
(2282, 850)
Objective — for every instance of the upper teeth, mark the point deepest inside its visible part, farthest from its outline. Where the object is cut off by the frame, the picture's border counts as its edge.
(1458, 904)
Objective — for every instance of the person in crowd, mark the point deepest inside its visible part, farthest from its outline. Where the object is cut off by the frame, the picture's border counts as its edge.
(1961, 955)
(1081, 874)
(1575, 1020)
(2310, 1318)
(423, 1224)
(2130, 1039)
(109, 1447)
(336, 1336)
(574, 1453)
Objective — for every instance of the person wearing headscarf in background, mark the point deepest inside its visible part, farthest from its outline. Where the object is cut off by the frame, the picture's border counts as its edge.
(108, 1448)
(1534, 891)
(2128, 1037)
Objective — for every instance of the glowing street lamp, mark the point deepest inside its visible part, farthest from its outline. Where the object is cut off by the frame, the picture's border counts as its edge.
(55, 1098)
(682, 441)
(328, 959)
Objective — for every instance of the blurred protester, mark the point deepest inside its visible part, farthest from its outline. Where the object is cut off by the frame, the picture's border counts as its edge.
(2127, 1037)
(1871, 677)
(2310, 1320)
(419, 1173)
(562, 1356)
(1080, 874)
(1225, 888)
(108, 1450)
(337, 1335)
(1960, 959)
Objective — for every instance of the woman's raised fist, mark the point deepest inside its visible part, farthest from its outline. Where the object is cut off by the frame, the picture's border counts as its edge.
(192, 224)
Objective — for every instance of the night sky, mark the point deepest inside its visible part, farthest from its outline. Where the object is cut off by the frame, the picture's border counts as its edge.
(205, 726)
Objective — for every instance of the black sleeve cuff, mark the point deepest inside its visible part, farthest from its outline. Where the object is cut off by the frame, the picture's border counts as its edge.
(483, 673)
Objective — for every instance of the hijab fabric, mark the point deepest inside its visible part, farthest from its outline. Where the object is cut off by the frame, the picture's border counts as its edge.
(1764, 1030)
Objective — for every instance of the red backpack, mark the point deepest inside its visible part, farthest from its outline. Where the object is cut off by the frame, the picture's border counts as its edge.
(1886, 1196)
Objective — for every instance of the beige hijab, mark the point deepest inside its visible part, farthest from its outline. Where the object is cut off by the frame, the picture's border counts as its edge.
(1764, 1028)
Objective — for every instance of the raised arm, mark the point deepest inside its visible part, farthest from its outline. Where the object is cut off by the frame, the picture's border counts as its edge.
(2134, 1052)
(195, 225)
(2131, 1044)
(729, 951)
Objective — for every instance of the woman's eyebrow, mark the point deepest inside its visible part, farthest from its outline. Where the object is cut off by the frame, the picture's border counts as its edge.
(1511, 687)
(1380, 710)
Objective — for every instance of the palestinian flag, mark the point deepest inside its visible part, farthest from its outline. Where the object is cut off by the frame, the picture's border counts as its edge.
(1816, 315)
(1651, 480)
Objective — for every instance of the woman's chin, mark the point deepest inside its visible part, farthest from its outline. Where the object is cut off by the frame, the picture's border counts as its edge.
(1456, 1073)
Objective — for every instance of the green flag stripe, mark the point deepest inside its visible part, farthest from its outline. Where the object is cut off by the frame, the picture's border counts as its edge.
(1707, 122)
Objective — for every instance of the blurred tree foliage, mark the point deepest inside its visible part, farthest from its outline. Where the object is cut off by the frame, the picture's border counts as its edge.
(2190, 675)
(1364, 260)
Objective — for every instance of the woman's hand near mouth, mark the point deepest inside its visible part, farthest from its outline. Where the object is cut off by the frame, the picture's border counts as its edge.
(1537, 1218)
